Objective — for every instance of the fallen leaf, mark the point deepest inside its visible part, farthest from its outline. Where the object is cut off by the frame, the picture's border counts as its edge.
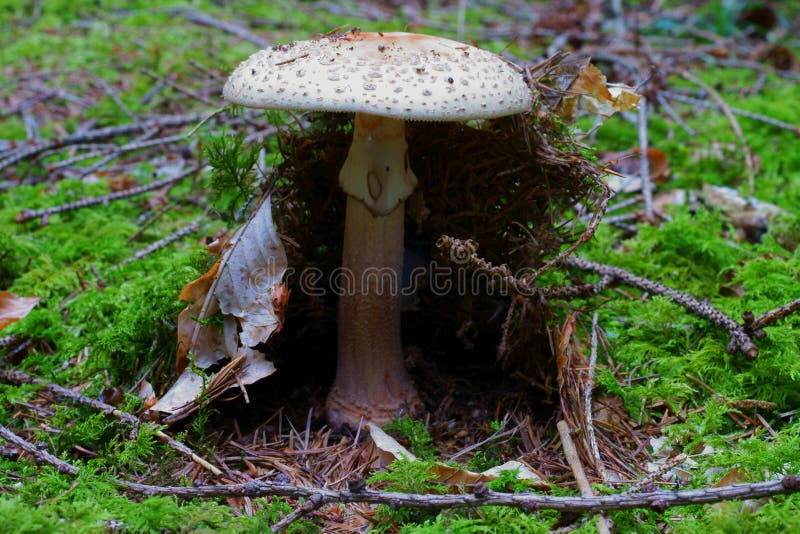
(191, 387)
(13, 307)
(186, 388)
(748, 214)
(122, 183)
(147, 394)
(250, 273)
(388, 447)
(627, 162)
(200, 338)
(454, 476)
(198, 289)
(113, 395)
(734, 476)
(589, 92)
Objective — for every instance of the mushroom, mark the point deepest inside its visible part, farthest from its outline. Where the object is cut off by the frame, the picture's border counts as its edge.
(385, 79)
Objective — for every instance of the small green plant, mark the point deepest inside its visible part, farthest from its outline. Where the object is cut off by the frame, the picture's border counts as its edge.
(233, 179)
(421, 442)
(509, 482)
(408, 476)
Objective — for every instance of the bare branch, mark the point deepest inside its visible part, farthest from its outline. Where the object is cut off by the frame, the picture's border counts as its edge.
(657, 500)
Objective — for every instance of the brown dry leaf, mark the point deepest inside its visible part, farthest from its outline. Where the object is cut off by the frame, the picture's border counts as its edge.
(122, 183)
(734, 476)
(250, 276)
(627, 162)
(455, 476)
(203, 340)
(390, 450)
(198, 289)
(147, 394)
(590, 92)
(13, 307)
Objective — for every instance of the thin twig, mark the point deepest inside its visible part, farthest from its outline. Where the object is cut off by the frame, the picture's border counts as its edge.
(644, 160)
(674, 114)
(112, 94)
(741, 112)
(737, 130)
(189, 229)
(89, 136)
(464, 252)
(40, 454)
(574, 461)
(17, 377)
(228, 27)
(657, 500)
(181, 89)
(587, 401)
(669, 465)
(773, 316)
(28, 215)
(478, 445)
(314, 503)
(740, 339)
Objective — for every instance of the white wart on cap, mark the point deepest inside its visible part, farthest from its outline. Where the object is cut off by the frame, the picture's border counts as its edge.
(400, 75)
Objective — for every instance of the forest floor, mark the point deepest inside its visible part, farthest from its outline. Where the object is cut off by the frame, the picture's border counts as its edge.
(674, 365)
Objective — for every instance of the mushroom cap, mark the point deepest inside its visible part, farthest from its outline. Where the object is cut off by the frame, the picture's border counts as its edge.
(399, 75)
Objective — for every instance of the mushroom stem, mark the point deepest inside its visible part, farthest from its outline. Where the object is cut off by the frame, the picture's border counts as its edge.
(371, 379)
(376, 170)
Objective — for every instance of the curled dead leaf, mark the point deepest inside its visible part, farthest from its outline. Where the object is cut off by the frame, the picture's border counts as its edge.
(627, 162)
(590, 92)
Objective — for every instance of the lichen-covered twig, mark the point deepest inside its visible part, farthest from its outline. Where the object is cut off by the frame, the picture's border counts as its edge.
(315, 502)
(656, 500)
(740, 339)
(91, 136)
(465, 252)
(650, 479)
(17, 377)
(189, 229)
(39, 454)
(29, 215)
(773, 316)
